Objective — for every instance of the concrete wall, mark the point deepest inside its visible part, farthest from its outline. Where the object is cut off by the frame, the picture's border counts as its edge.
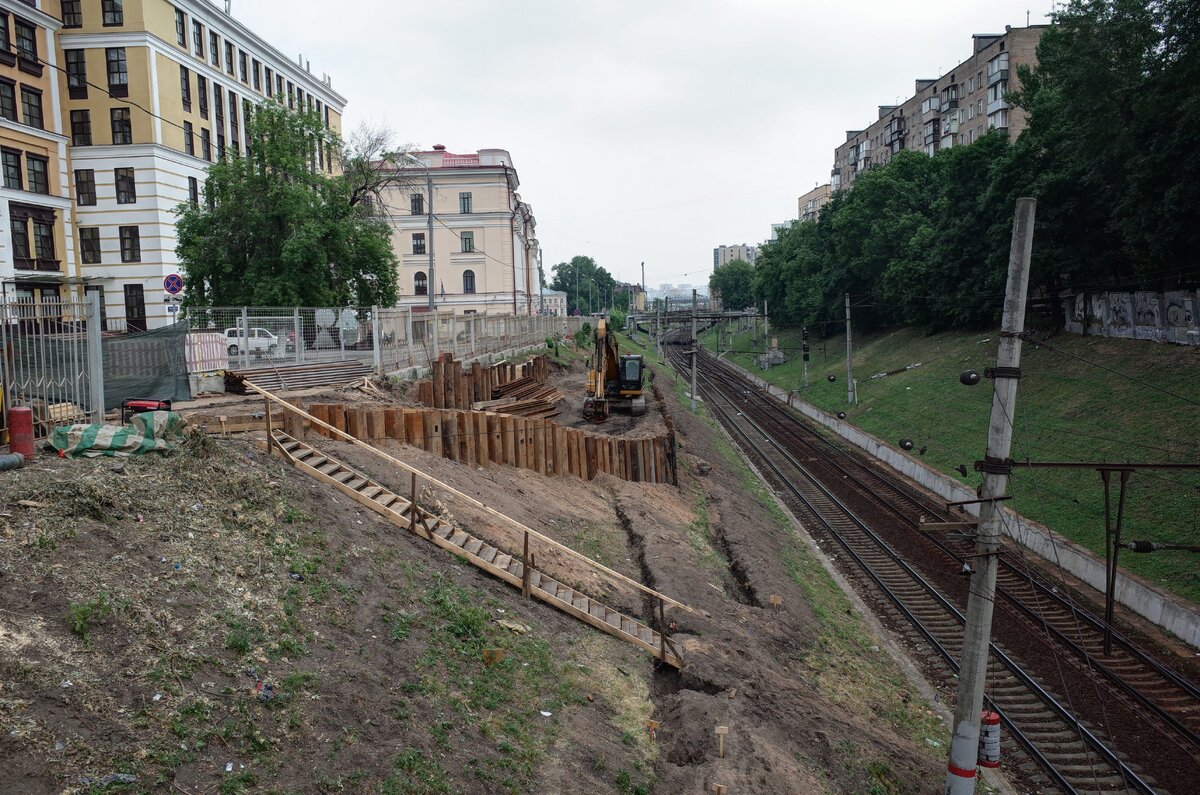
(1172, 316)
(1166, 611)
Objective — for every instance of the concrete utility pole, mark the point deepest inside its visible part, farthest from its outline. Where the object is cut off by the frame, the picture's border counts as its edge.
(964, 745)
(849, 357)
(766, 329)
(695, 345)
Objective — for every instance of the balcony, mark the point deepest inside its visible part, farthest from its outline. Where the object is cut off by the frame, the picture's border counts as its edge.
(996, 106)
(949, 104)
(39, 265)
(997, 76)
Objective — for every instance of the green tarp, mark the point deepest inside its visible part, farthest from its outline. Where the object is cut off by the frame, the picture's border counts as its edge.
(153, 431)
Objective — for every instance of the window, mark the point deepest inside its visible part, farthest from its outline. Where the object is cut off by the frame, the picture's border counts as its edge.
(31, 106)
(126, 185)
(291, 95)
(185, 87)
(76, 74)
(418, 242)
(464, 202)
(256, 70)
(118, 72)
(198, 39)
(229, 57)
(26, 39)
(180, 28)
(219, 103)
(89, 244)
(20, 238)
(234, 133)
(468, 242)
(131, 244)
(85, 187)
(12, 169)
(189, 140)
(72, 14)
(114, 12)
(468, 281)
(246, 111)
(214, 49)
(38, 179)
(220, 143)
(122, 126)
(81, 128)
(202, 94)
(8, 100)
(269, 78)
(242, 68)
(205, 144)
(420, 283)
(279, 85)
(417, 204)
(43, 239)
(194, 191)
(4, 37)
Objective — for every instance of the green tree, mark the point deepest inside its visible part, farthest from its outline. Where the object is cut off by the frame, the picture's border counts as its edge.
(586, 284)
(274, 230)
(734, 282)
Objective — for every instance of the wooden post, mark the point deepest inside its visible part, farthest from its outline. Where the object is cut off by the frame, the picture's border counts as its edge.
(483, 455)
(433, 431)
(321, 412)
(562, 460)
(438, 377)
(450, 434)
(508, 432)
(496, 437)
(466, 435)
(293, 424)
(539, 446)
(525, 569)
(449, 369)
(412, 507)
(662, 632)
(393, 424)
(477, 392)
(721, 732)
(270, 431)
(337, 417)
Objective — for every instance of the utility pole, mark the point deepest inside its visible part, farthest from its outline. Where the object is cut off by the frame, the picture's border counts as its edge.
(643, 282)
(766, 329)
(972, 672)
(695, 345)
(849, 357)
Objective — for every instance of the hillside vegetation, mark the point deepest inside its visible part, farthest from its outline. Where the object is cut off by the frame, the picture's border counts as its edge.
(1067, 410)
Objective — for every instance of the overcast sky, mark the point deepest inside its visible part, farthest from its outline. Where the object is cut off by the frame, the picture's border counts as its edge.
(641, 129)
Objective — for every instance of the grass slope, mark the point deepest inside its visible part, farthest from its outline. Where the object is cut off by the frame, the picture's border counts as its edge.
(1067, 410)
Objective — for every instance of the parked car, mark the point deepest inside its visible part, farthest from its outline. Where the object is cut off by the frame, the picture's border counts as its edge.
(258, 341)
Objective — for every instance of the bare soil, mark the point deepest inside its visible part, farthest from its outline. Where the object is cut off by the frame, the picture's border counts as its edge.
(179, 577)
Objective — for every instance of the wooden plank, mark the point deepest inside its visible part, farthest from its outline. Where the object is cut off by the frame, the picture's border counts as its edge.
(522, 435)
(438, 378)
(571, 452)
(378, 423)
(581, 454)
(539, 446)
(449, 370)
(589, 456)
(393, 424)
(450, 434)
(495, 437)
(433, 431)
(510, 441)
(651, 464)
(337, 417)
(466, 435)
(561, 457)
(321, 412)
(477, 382)
(356, 423)
(483, 455)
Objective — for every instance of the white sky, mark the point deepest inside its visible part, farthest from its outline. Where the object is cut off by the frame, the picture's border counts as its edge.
(641, 129)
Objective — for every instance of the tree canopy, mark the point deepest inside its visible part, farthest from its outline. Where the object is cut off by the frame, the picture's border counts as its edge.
(1110, 152)
(273, 229)
(734, 282)
(586, 284)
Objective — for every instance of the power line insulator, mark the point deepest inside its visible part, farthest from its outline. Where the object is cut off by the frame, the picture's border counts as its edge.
(841, 415)
(832, 378)
(906, 444)
(968, 378)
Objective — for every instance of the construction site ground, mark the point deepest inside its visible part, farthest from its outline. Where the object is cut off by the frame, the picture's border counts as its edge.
(144, 600)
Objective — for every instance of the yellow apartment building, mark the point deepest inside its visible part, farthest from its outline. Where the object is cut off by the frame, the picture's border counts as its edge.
(484, 246)
(139, 97)
(37, 245)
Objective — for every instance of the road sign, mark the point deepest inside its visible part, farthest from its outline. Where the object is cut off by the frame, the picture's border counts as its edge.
(173, 284)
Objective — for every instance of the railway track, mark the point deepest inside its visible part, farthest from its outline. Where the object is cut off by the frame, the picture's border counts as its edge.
(1069, 754)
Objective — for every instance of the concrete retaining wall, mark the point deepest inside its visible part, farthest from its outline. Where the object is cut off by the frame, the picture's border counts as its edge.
(1166, 611)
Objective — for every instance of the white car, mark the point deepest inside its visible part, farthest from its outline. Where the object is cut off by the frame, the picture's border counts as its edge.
(258, 341)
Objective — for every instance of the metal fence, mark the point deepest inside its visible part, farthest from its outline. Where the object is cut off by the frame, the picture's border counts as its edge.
(50, 361)
(389, 338)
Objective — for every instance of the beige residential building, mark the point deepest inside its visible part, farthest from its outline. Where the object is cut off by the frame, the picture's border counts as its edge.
(484, 247)
(554, 302)
(726, 254)
(957, 108)
(123, 105)
(810, 204)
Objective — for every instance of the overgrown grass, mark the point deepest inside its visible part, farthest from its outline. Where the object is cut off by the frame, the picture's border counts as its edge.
(1067, 410)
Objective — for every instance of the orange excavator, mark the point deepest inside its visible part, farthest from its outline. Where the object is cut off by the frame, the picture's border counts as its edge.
(614, 381)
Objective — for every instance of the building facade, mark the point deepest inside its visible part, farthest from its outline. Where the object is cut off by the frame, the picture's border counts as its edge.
(554, 302)
(810, 204)
(151, 94)
(725, 254)
(484, 246)
(955, 109)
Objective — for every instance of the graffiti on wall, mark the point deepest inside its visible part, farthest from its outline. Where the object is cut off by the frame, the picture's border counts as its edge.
(1162, 317)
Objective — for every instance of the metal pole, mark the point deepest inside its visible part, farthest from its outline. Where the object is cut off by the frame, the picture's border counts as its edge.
(1113, 549)
(429, 189)
(695, 345)
(377, 340)
(849, 357)
(299, 352)
(245, 336)
(964, 745)
(95, 358)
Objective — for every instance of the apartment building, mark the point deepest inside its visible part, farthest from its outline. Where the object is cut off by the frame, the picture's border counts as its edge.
(483, 254)
(37, 243)
(955, 109)
(725, 254)
(554, 302)
(810, 204)
(139, 98)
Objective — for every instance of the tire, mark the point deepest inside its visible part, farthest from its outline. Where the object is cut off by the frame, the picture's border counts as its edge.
(233, 350)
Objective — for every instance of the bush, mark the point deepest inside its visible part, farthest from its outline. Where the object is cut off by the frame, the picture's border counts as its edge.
(616, 319)
(584, 338)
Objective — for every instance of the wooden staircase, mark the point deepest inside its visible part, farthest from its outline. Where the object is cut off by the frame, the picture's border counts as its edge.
(405, 513)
